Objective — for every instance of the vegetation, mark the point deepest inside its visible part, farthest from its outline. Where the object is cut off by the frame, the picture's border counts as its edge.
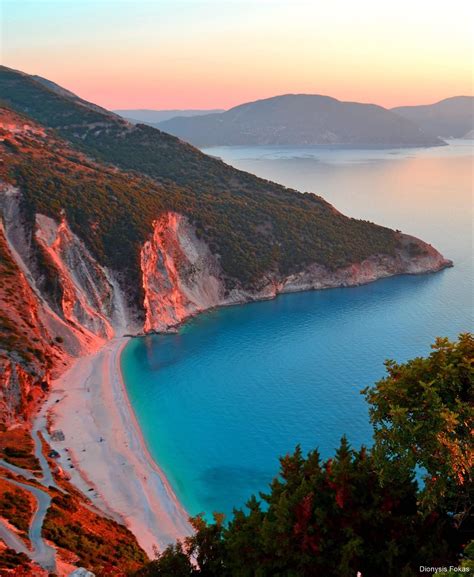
(15, 506)
(352, 513)
(17, 448)
(10, 559)
(22, 344)
(99, 543)
(423, 415)
(11, 339)
(255, 226)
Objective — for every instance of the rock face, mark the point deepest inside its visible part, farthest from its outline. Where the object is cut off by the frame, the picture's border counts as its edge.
(88, 307)
(39, 336)
(89, 302)
(181, 276)
(27, 352)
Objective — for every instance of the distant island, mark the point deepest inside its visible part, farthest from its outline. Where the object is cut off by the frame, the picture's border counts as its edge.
(301, 120)
(449, 118)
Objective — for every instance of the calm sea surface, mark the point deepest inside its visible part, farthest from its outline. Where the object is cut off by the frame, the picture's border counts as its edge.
(237, 387)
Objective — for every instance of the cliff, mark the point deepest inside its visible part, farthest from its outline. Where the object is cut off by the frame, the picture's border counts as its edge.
(27, 355)
(181, 277)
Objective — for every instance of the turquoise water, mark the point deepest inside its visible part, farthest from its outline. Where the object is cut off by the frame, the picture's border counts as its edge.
(237, 387)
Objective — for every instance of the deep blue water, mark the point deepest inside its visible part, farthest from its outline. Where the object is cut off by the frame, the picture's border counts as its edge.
(237, 387)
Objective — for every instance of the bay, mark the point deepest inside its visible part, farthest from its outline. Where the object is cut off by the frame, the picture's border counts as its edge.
(239, 386)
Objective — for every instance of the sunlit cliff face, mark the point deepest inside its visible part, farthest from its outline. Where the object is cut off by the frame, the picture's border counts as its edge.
(165, 304)
(179, 274)
(86, 293)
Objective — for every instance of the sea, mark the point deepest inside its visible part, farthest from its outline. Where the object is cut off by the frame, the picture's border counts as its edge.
(238, 387)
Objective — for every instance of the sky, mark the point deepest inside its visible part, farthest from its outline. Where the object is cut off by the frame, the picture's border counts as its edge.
(166, 54)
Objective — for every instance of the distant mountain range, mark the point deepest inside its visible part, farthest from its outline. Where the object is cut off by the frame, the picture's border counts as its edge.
(300, 120)
(153, 117)
(449, 118)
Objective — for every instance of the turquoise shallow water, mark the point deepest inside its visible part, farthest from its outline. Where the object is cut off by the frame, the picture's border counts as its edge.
(239, 386)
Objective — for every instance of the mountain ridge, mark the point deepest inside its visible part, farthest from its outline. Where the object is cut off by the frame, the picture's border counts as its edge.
(451, 117)
(155, 116)
(300, 120)
(201, 179)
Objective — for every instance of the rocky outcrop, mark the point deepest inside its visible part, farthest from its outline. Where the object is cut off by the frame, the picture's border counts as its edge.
(37, 339)
(91, 307)
(88, 302)
(181, 277)
(413, 256)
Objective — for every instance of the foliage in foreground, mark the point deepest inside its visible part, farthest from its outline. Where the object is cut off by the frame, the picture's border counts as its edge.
(331, 518)
(423, 415)
(362, 510)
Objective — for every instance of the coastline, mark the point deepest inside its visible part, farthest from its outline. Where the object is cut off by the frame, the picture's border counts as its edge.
(104, 451)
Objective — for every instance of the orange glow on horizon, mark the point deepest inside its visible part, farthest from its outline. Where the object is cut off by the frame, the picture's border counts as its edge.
(209, 54)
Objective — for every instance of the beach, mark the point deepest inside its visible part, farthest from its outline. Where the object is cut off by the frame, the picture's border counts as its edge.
(104, 452)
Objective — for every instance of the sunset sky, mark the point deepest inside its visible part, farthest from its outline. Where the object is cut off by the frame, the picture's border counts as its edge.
(219, 53)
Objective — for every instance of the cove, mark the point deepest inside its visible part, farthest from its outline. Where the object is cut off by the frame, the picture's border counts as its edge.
(237, 387)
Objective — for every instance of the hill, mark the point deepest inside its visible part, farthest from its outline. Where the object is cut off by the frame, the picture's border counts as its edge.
(254, 225)
(121, 228)
(153, 117)
(260, 233)
(117, 197)
(449, 118)
(301, 120)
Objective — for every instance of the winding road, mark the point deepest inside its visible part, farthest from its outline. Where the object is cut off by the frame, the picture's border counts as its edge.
(41, 553)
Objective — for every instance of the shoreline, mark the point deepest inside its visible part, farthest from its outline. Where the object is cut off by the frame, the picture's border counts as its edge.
(104, 451)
